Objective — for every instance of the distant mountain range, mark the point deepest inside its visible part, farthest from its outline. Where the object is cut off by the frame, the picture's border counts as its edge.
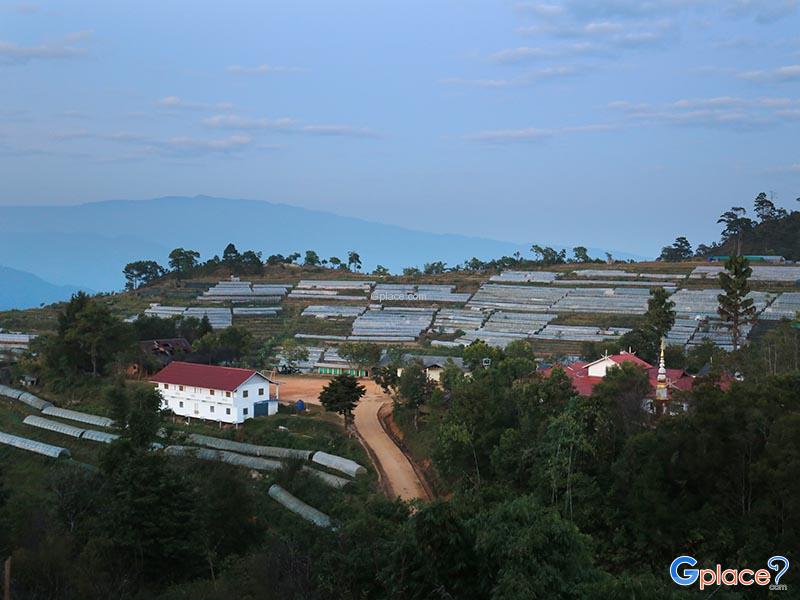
(24, 290)
(89, 244)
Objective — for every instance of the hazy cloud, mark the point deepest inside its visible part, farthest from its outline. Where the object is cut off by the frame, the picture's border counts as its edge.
(15, 54)
(724, 111)
(287, 125)
(177, 103)
(245, 123)
(787, 73)
(541, 75)
(263, 70)
(532, 134)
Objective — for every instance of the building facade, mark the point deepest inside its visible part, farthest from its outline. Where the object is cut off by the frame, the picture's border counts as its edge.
(213, 393)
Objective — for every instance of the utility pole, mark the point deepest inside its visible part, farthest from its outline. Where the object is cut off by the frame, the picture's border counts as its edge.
(7, 580)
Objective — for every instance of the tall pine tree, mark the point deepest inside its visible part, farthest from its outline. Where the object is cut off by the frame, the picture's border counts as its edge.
(735, 308)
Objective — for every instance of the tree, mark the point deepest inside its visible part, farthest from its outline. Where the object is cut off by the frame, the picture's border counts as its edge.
(581, 254)
(181, 261)
(765, 209)
(414, 387)
(341, 395)
(293, 352)
(660, 315)
(736, 224)
(231, 256)
(381, 271)
(137, 413)
(353, 260)
(250, 263)
(363, 355)
(434, 268)
(141, 272)
(735, 308)
(88, 339)
(549, 256)
(680, 250)
(335, 261)
(311, 259)
(411, 272)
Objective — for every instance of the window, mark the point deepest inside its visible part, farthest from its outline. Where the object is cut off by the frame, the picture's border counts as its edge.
(180, 404)
(227, 411)
(244, 411)
(180, 387)
(245, 394)
(166, 386)
(211, 392)
(211, 408)
(260, 391)
(227, 394)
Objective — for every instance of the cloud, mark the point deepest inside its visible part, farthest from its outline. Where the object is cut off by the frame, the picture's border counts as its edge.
(245, 123)
(541, 75)
(339, 131)
(763, 11)
(717, 112)
(780, 74)
(286, 125)
(26, 9)
(231, 143)
(263, 70)
(532, 134)
(526, 53)
(176, 103)
(540, 9)
(146, 145)
(73, 114)
(14, 54)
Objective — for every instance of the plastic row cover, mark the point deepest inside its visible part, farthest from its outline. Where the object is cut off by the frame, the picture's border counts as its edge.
(271, 451)
(338, 463)
(251, 462)
(333, 481)
(33, 446)
(56, 426)
(81, 417)
(297, 506)
(76, 432)
(24, 397)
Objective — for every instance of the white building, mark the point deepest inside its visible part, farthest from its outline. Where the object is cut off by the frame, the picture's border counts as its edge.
(434, 365)
(15, 342)
(216, 393)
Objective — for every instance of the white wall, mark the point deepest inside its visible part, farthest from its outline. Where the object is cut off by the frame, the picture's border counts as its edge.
(217, 405)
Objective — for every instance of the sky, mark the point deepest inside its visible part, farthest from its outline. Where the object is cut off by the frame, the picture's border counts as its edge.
(606, 123)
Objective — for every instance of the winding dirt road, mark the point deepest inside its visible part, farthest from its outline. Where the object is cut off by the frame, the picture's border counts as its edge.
(400, 478)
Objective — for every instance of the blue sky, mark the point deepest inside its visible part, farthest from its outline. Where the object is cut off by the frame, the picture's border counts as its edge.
(608, 123)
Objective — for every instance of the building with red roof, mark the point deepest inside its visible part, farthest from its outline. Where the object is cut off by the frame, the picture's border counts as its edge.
(586, 375)
(215, 393)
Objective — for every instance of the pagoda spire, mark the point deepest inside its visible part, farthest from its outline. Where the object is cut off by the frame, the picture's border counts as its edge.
(662, 392)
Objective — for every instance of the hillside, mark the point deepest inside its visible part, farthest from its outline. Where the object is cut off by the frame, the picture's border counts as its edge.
(88, 244)
(19, 289)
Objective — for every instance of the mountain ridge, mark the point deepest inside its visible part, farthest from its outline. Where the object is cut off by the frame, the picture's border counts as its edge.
(88, 244)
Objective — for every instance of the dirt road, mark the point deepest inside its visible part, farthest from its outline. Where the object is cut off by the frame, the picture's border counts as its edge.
(401, 479)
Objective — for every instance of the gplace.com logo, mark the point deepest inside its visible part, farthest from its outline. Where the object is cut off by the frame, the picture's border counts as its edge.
(684, 576)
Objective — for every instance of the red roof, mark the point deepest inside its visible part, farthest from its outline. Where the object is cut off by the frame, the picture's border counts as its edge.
(583, 383)
(628, 357)
(203, 376)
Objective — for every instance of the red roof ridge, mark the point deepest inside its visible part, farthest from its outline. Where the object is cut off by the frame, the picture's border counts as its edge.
(204, 376)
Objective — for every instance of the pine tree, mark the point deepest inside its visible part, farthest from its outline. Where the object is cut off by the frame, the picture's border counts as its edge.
(735, 307)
